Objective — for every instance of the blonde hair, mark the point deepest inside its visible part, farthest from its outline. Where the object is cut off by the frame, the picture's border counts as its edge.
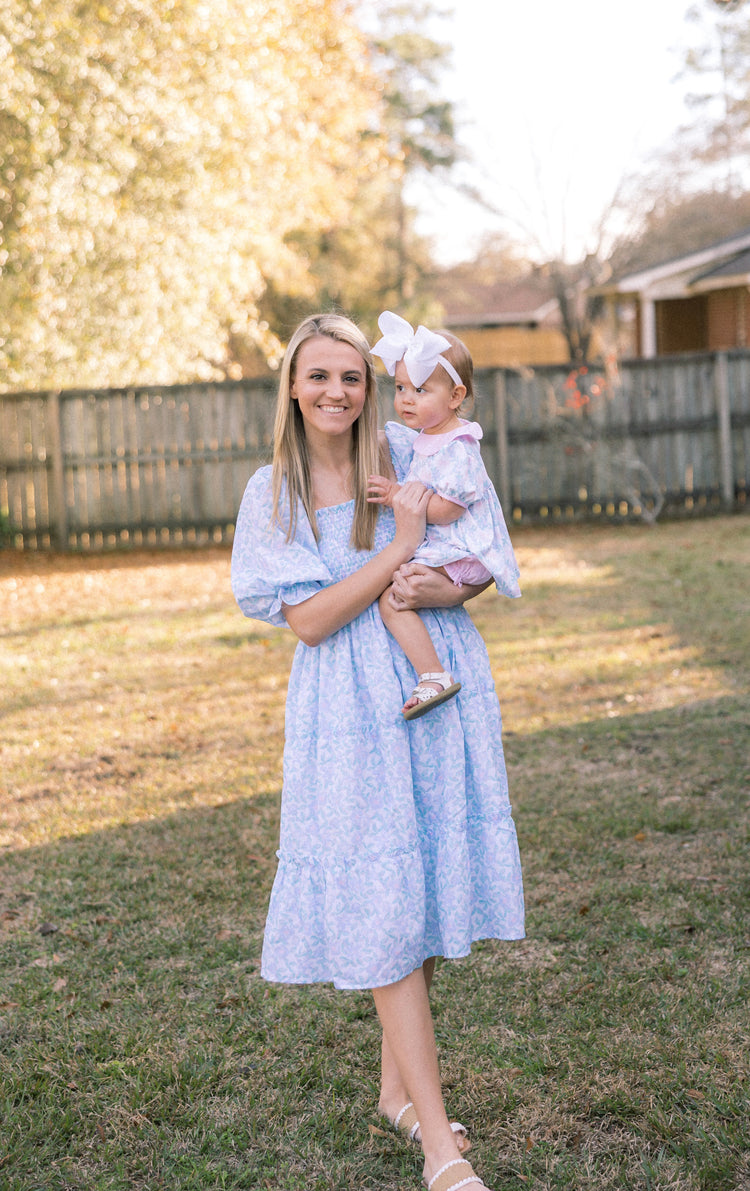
(291, 464)
(459, 356)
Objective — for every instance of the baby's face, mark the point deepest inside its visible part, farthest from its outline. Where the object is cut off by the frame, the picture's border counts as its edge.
(431, 406)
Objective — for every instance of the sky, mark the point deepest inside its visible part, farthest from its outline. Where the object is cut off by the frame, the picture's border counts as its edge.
(557, 101)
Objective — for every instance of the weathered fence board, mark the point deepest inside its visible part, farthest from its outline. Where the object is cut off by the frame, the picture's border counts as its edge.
(168, 464)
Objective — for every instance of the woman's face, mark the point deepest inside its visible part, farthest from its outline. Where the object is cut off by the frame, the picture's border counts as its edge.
(330, 386)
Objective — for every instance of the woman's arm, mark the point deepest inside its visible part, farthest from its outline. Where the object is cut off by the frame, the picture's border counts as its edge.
(331, 608)
(418, 586)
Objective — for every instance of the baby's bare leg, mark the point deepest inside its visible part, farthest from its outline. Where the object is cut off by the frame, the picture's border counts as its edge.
(411, 633)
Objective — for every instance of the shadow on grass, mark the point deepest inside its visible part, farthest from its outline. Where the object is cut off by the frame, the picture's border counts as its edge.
(141, 1049)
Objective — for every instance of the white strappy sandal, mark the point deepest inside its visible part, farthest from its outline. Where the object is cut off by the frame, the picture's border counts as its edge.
(429, 698)
(453, 1175)
(406, 1122)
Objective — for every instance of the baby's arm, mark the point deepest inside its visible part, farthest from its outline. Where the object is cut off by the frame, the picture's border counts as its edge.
(440, 511)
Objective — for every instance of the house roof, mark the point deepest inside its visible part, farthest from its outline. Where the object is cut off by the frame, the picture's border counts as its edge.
(527, 301)
(724, 263)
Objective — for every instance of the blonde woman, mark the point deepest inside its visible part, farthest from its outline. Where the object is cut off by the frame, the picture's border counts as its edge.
(397, 843)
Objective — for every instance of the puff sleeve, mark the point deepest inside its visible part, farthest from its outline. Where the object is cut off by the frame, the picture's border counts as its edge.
(268, 571)
(401, 442)
(457, 473)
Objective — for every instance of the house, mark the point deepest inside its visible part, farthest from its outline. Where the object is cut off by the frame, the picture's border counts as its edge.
(513, 323)
(699, 301)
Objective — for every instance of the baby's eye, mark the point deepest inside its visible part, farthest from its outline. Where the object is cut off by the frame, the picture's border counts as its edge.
(419, 389)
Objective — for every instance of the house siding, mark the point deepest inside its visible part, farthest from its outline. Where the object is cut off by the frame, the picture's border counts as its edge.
(513, 347)
(728, 313)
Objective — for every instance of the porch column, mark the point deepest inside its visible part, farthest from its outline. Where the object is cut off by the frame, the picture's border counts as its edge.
(648, 327)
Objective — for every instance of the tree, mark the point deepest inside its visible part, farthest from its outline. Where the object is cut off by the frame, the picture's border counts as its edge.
(672, 224)
(718, 66)
(372, 258)
(157, 157)
(418, 125)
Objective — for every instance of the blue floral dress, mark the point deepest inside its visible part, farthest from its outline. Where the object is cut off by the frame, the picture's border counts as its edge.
(397, 841)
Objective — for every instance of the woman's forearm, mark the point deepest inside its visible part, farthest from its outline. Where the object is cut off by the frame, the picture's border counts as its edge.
(331, 608)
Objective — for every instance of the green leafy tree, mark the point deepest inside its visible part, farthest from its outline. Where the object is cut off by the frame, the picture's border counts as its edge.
(156, 159)
(373, 258)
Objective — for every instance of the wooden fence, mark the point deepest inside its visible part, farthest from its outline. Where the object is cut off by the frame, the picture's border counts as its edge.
(155, 465)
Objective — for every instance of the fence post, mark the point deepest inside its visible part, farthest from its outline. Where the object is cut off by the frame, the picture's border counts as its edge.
(724, 425)
(501, 431)
(58, 510)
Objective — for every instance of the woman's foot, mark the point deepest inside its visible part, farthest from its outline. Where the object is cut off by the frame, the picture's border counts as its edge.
(455, 1174)
(405, 1121)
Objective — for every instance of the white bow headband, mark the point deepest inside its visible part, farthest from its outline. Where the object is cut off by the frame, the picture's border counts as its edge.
(420, 350)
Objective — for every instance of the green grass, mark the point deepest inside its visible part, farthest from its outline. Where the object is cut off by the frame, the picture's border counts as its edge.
(140, 772)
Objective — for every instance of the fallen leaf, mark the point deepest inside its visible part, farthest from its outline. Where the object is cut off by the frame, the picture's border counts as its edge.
(59, 984)
(584, 909)
(639, 837)
(48, 928)
(375, 1132)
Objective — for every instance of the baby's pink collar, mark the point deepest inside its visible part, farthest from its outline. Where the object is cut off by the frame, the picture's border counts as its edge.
(430, 444)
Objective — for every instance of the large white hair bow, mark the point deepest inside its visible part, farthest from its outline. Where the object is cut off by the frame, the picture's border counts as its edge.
(420, 350)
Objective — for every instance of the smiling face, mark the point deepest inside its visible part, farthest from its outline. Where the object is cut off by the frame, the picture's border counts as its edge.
(330, 385)
(431, 407)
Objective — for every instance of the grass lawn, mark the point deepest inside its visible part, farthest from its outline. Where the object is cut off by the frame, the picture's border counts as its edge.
(142, 722)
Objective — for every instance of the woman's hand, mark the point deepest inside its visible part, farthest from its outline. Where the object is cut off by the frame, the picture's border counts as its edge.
(410, 512)
(418, 586)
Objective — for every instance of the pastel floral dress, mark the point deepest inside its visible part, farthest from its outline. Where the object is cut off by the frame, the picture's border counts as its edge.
(397, 841)
(451, 464)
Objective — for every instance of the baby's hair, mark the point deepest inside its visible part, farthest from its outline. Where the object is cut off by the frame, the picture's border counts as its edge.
(459, 356)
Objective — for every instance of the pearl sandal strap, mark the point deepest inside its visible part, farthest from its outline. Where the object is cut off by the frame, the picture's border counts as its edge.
(444, 1179)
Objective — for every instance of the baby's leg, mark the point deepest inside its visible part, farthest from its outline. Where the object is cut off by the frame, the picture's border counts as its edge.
(411, 633)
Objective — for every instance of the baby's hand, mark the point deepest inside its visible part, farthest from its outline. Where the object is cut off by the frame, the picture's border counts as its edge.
(381, 490)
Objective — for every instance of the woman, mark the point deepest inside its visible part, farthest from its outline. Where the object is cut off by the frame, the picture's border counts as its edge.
(397, 843)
